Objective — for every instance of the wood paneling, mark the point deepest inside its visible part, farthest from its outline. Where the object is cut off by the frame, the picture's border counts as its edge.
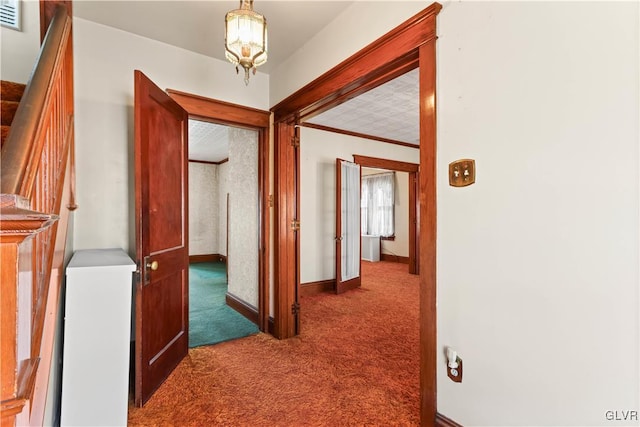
(410, 45)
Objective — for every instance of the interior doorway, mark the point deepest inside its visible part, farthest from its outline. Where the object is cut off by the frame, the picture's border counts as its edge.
(241, 124)
(410, 45)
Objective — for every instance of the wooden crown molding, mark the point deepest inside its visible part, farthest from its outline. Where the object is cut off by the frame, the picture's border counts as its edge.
(207, 109)
(378, 163)
(359, 135)
(388, 57)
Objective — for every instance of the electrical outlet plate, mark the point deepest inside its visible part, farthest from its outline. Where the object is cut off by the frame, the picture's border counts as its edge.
(462, 172)
(457, 378)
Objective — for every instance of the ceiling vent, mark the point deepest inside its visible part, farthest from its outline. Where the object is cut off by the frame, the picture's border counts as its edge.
(10, 14)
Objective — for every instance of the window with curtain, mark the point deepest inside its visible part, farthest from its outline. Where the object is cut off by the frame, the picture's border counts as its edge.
(377, 204)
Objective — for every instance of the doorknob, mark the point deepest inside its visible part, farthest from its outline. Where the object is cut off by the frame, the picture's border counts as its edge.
(153, 266)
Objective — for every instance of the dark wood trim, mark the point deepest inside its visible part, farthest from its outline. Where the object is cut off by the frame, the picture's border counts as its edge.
(442, 421)
(247, 310)
(208, 162)
(428, 230)
(225, 113)
(285, 259)
(314, 288)
(378, 163)
(410, 45)
(390, 56)
(272, 327)
(216, 111)
(358, 135)
(194, 259)
(394, 258)
(414, 223)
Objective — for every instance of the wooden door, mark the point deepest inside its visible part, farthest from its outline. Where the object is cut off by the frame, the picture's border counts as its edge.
(162, 288)
(348, 240)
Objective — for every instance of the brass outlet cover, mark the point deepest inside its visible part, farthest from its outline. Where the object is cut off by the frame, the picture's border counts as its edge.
(462, 172)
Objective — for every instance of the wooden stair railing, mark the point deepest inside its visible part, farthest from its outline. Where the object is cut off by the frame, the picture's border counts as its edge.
(36, 171)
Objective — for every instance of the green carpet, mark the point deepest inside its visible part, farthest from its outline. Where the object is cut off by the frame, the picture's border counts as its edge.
(211, 320)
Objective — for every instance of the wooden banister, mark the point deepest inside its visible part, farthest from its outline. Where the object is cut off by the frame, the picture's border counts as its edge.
(36, 183)
(19, 160)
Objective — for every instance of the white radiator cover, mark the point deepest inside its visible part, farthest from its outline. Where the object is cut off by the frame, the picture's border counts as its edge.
(370, 248)
(95, 372)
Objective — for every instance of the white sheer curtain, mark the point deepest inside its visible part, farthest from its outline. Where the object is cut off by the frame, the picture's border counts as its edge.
(377, 204)
(350, 220)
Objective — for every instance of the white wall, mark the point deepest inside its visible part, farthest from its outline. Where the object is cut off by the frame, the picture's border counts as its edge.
(543, 298)
(399, 246)
(203, 209)
(105, 59)
(318, 153)
(548, 294)
(20, 49)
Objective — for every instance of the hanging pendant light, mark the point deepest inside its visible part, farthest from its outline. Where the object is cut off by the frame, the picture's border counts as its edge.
(245, 39)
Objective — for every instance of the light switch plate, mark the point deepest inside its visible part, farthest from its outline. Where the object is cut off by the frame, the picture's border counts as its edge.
(462, 172)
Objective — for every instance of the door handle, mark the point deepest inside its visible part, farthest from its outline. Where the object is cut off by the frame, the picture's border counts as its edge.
(149, 265)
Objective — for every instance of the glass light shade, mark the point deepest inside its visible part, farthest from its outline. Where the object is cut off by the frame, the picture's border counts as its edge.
(246, 38)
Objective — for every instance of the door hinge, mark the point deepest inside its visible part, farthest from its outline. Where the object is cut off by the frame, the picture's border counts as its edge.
(270, 200)
(137, 275)
(295, 141)
(295, 225)
(295, 308)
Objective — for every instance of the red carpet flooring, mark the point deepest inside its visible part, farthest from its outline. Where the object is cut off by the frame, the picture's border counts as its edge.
(355, 363)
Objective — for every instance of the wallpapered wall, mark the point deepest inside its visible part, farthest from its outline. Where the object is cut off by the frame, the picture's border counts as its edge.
(209, 186)
(204, 210)
(242, 262)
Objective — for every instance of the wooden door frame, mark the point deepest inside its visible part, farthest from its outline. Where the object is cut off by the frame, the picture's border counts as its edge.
(410, 45)
(224, 113)
(414, 206)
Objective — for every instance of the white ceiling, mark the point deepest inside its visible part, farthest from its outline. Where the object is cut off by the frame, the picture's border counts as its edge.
(208, 142)
(199, 25)
(390, 111)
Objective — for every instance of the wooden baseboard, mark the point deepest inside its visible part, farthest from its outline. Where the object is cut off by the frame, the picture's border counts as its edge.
(313, 288)
(394, 258)
(242, 307)
(207, 258)
(271, 328)
(442, 421)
